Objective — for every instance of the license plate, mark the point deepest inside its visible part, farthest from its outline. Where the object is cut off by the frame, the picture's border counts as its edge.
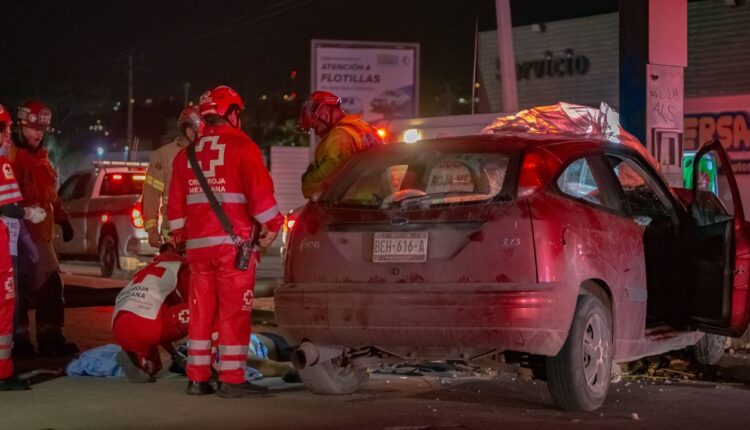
(399, 247)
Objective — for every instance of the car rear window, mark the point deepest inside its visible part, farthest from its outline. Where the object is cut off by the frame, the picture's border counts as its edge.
(123, 184)
(413, 179)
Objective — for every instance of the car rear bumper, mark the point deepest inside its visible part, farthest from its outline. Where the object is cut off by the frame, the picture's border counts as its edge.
(531, 318)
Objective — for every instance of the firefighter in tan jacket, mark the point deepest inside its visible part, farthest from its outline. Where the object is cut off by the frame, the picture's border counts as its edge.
(159, 172)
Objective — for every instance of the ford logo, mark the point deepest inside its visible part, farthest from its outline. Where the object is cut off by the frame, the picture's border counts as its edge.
(399, 221)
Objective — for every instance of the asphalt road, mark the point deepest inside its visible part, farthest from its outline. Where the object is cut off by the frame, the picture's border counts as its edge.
(387, 401)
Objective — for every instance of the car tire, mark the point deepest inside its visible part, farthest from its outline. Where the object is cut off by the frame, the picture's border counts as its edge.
(330, 378)
(709, 350)
(578, 376)
(108, 257)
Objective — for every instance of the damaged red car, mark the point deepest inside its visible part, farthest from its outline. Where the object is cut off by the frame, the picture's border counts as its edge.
(572, 252)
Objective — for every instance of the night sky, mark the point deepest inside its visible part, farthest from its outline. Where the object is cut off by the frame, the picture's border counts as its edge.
(73, 54)
(249, 43)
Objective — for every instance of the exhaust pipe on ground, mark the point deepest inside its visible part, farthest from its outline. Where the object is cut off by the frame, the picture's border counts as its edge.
(305, 355)
(308, 354)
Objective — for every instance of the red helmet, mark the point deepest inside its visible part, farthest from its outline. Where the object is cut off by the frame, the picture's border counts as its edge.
(220, 101)
(35, 114)
(311, 108)
(5, 116)
(190, 117)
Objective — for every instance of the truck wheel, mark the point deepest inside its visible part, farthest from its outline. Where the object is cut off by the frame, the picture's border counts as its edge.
(331, 378)
(709, 350)
(108, 256)
(578, 376)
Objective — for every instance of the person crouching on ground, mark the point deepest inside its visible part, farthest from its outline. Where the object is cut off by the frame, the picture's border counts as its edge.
(151, 311)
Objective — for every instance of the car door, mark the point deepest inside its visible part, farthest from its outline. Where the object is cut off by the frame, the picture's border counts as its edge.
(720, 257)
(74, 194)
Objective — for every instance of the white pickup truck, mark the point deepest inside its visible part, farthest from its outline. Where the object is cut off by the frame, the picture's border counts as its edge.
(104, 204)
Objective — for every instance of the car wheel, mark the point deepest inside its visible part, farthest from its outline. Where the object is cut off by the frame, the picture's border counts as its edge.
(578, 376)
(331, 378)
(709, 350)
(108, 256)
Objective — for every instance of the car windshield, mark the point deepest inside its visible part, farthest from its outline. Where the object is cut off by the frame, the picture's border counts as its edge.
(414, 180)
(123, 184)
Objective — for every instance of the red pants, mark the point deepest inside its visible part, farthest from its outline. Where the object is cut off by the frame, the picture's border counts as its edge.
(143, 336)
(221, 298)
(7, 308)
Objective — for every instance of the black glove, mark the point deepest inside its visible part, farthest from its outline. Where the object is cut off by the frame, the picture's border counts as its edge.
(67, 231)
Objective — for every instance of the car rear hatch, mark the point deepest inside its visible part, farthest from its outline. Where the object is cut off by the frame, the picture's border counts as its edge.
(436, 212)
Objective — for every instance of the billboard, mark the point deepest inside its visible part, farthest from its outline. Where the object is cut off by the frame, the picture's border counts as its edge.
(377, 79)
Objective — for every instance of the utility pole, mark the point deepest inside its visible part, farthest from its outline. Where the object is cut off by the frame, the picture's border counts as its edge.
(186, 86)
(131, 101)
(507, 56)
(474, 72)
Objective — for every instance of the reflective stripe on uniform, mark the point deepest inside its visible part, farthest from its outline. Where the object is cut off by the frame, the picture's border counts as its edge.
(199, 360)
(9, 187)
(10, 197)
(5, 352)
(233, 349)
(267, 215)
(159, 185)
(221, 197)
(177, 223)
(5, 340)
(208, 241)
(150, 224)
(199, 344)
(229, 364)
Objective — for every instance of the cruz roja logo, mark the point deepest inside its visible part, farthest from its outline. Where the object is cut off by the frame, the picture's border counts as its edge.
(247, 300)
(10, 292)
(215, 155)
(184, 316)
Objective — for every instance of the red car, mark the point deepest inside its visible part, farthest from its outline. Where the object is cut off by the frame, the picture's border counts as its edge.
(576, 252)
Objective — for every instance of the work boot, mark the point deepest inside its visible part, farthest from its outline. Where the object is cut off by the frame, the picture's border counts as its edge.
(129, 363)
(53, 344)
(14, 384)
(178, 364)
(22, 348)
(196, 388)
(244, 389)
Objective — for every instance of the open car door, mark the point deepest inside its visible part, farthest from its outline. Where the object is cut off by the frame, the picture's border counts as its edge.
(719, 261)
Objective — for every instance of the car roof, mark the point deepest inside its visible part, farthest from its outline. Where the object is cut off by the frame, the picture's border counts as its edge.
(560, 146)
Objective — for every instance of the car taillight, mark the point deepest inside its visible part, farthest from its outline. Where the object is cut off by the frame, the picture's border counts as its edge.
(136, 216)
(536, 170)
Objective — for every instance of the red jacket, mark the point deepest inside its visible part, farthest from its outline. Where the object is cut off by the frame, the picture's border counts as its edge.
(38, 182)
(234, 168)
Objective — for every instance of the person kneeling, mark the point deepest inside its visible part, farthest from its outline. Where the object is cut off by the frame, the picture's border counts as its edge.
(152, 310)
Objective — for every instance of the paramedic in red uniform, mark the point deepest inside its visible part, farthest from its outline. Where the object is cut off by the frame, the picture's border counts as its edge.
(221, 295)
(37, 179)
(10, 195)
(151, 311)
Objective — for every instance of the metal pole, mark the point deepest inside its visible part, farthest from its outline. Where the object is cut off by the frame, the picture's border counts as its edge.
(186, 86)
(507, 56)
(130, 97)
(474, 72)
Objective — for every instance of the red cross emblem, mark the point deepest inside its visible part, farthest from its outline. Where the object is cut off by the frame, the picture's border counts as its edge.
(214, 155)
(151, 269)
(248, 298)
(184, 316)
